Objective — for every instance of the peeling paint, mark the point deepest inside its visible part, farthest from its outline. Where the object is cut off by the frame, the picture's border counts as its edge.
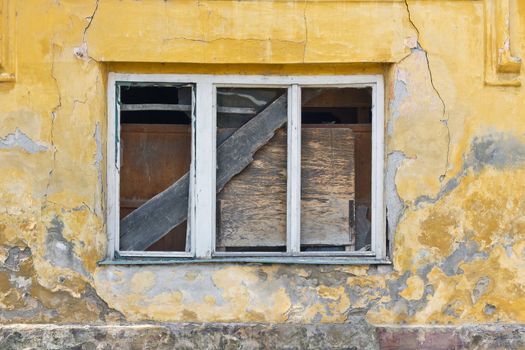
(394, 203)
(20, 140)
(454, 171)
(400, 93)
(496, 150)
(59, 251)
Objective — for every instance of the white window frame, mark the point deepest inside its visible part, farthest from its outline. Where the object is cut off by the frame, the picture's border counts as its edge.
(202, 214)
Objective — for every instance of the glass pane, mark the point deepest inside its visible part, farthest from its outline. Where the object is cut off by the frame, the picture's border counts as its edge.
(251, 138)
(335, 169)
(155, 147)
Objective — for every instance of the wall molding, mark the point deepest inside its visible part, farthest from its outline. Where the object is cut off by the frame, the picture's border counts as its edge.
(7, 41)
(502, 68)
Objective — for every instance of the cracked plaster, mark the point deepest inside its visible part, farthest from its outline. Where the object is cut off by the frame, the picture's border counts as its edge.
(453, 184)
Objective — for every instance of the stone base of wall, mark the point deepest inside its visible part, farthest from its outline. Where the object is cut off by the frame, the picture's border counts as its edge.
(358, 335)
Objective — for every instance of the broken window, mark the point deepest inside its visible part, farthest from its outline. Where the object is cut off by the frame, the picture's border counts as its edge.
(251, 208)
(155, 152)
(221, 166)
(336, 166)
(335, 173)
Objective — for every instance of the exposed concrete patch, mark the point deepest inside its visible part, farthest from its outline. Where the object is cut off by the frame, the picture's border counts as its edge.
(352, 336)
(498, 150)
(16, 257)
(358, 335)
(464, 252)
(394, 204)
(81, 51)
(106, 314)
(480, 288)
(20, 140)
(59, 251)
(489, 309)
(403, 305)
(400, 93)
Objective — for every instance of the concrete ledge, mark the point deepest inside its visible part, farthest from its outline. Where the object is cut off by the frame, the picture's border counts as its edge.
(355, 335)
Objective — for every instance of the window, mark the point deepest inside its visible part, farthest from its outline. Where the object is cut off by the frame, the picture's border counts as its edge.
(253, 168)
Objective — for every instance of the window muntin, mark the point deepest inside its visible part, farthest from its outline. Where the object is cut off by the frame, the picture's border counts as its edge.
(203, 198)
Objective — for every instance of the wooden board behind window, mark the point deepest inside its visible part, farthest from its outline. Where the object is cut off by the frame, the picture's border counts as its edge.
(251, 209)
(154, 156)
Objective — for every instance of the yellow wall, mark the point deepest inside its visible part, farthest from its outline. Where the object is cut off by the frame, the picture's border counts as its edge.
(455, 168)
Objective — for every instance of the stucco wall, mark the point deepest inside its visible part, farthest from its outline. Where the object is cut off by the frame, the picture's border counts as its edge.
(454, 179)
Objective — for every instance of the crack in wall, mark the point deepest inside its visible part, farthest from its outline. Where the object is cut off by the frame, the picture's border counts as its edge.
(395, 205)
(82, 50)
(54, 113)
(97, 205)
(445, 117)
(207, 41)
(90, 20)
(497, 150)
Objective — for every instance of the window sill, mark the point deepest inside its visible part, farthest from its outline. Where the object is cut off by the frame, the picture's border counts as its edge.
(254, 260)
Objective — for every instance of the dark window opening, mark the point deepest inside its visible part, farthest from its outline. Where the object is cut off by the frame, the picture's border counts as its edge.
(155, 105)
(155, 148)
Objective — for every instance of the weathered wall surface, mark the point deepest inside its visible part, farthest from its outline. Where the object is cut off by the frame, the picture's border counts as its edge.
(455, 167)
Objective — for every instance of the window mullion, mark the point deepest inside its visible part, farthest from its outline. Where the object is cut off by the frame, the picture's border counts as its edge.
(378, 239)
(205, 150)
(113, 177)
(293, 242)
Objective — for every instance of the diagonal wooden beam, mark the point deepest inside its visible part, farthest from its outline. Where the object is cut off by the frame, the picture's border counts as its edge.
(159, 215)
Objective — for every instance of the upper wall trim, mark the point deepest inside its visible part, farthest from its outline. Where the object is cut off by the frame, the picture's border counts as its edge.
(249, 32)
(7, 40)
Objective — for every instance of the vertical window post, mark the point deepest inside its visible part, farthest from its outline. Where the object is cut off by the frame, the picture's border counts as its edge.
(112, 169)
(294, 170)
(205, 138)
(378, 239)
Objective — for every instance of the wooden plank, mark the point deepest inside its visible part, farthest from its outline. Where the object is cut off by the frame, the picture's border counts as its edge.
(169, 208)
(145, 148)
(252, 206)
(326, 222)
(181, 108)
(256, 223)
(363, 162)
(236, 153)
(328, 186)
